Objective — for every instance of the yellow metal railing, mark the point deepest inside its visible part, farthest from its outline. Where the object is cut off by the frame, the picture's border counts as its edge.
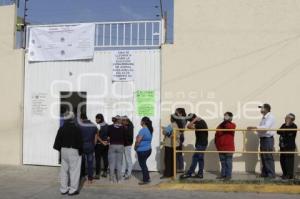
(243, 151)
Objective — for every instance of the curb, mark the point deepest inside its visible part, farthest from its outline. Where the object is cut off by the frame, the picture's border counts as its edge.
(210, 187)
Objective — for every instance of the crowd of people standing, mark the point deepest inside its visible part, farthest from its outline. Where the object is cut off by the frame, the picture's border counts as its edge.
(225, 145)
(81, 142)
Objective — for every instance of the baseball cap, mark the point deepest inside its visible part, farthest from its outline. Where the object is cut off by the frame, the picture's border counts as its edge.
(266, 106)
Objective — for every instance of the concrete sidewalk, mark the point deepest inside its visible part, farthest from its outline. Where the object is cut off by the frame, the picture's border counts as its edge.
(43, 182)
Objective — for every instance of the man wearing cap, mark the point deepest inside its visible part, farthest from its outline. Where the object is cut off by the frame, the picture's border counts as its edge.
(287, 143)
(266, 138)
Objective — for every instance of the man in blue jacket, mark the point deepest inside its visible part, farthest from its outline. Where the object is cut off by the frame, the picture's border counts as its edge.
(89, 136)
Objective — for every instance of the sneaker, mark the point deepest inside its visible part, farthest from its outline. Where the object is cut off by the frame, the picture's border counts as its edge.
(290, 177)
(263, 176)
(220, 177)
(104, 174)
(185, 176)
(127, 177)
(64, 193)
(144, 183)
(200, 176)
(165, 177)
(227, 178)
(269, 178)
(97, 177)
(73, 194)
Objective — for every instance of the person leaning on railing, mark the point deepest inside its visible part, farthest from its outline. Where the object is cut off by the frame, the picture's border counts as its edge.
(224, 141)
(266, 138)
(287, 143)
(200, 145)
(168, 133)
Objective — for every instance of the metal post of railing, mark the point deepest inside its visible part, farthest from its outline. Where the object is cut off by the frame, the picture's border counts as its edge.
(174, 153)
(244, 140)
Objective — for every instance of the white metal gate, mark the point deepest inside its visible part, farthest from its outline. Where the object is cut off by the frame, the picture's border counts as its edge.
(45, 80)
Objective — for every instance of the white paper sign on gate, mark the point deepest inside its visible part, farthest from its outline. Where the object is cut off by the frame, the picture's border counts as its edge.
(64, 42)
(123, 65)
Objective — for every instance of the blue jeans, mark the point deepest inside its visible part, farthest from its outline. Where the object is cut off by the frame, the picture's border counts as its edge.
(267, 160)
(179, 156)
(88, 157)
(226, 164)
(142, 158)
(179, 159)
(198, 158)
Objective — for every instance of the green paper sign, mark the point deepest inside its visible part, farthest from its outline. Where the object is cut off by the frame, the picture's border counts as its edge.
(145, 103)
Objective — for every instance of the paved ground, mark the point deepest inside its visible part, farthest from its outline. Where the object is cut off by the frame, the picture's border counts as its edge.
(42, 182)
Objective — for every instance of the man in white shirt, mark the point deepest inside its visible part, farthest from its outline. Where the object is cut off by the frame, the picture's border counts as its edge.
(266, 141)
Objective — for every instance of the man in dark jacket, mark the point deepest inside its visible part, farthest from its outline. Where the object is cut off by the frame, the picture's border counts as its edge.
(287, 143)
(89, 136)
(68, 142)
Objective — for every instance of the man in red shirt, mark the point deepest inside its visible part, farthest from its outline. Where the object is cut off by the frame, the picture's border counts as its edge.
(224, 141)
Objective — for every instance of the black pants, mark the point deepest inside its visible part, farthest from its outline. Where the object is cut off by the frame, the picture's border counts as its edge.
(142, 158)
(101, 152)
(287, 163)
(168, 160)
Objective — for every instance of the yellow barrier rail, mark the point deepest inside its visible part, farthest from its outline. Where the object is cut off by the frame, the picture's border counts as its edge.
(243, 151)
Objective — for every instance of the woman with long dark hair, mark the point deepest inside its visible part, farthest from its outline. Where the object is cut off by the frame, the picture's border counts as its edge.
(143, 147)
